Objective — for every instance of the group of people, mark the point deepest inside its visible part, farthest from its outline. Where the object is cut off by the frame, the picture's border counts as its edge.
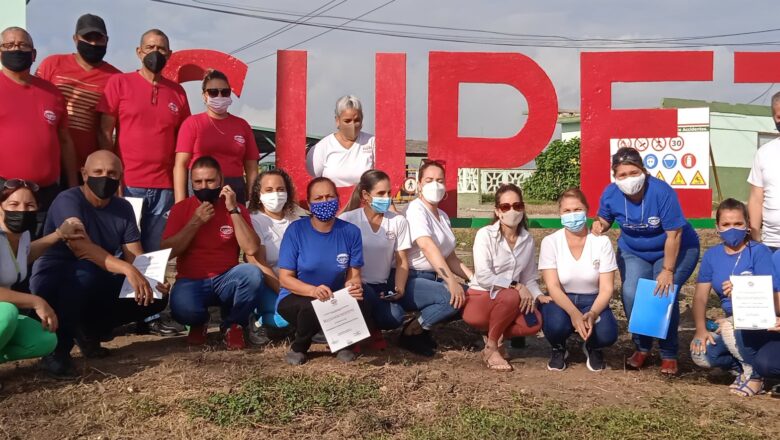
(132, 135)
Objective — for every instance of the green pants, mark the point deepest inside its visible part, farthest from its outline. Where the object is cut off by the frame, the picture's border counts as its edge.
(22, 337)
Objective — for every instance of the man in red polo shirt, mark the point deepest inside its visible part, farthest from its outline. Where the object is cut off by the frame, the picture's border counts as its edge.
(34, 138)
(81, 77)
(205, 233)
(148, 110)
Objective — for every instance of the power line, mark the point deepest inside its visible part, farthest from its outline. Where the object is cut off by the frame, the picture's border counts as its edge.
(762, 94)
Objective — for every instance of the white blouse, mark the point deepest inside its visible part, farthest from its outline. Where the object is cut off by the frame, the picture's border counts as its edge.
(13, 268)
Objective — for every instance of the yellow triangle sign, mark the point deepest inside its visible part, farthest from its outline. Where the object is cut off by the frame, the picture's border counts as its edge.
(660, 177)
(678, 179)
(698, 179)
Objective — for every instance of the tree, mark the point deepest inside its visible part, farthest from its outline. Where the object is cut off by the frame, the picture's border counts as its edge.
(557, 168)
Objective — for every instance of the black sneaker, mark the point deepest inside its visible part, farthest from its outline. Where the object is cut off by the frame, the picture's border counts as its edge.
(257, 334)
(346, 355)
(595, 359)
(319, 338)
(58, 367)
(90, 347)
(158, 327)
(558, 360)
(295, 358)
(417, 344)
(427, 337)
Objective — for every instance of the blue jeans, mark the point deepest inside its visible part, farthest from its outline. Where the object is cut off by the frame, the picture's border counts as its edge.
(235, 291)
(728, 353)
(632, 268)
(766, 348)
(427, 293)
(266, 310)
(157, 203)
(557, 326)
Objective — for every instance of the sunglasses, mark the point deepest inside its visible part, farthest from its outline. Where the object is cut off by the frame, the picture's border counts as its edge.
(213, 93)
(21, 183)
(439, 163)
(517, 206)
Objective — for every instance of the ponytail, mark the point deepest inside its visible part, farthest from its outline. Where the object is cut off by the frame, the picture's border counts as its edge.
(355, 199)
(368, 181)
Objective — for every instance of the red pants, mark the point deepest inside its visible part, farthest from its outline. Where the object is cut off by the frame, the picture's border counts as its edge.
(499, 316)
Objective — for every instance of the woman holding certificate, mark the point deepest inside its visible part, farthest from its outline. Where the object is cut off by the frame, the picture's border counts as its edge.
(318, 256)
(736, 255)
(656, 243)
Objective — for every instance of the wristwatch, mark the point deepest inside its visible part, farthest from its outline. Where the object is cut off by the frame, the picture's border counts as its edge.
(235, 211)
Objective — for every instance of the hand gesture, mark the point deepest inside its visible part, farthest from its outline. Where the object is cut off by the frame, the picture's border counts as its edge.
(321, 292)
(143, 291)
(664, 281)
(72, 229)
(544, 299)
(701, 339)
(203, 213)
(457, 296)
(230, 197)
(727, 288)
(47, 315)
(355, 291)
(164, 288)
(527, 302)
(597, 228)
(583, 324)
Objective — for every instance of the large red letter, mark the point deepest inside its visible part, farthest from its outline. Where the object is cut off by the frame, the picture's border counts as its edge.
(391, 116)
(192, 64)
(291, 117)
(756, 67)
(446, 71)
(600, 123)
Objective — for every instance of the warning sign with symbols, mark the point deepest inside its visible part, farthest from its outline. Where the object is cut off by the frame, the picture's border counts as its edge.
(682, 161)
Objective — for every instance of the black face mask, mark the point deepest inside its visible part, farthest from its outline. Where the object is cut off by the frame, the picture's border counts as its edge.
(20, 221)
(103, 187)
(16, 60)
(93, 54)
(207, 194)
(155, 61)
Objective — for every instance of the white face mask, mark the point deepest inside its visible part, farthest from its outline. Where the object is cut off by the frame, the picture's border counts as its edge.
(433, 192)
(219, 105)
(273, 201)
(631, 185)
(512, 218)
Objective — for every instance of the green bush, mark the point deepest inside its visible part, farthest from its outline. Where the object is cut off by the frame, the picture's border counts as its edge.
(557, 168)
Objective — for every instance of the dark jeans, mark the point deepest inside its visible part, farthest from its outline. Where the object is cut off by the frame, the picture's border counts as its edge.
(766, 345)
(298, 311)
(557, 326)
(154, 214)
(86, 300)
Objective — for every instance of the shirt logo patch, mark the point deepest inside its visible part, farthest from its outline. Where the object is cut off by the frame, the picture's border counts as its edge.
(50, 116)
(173, 107)
(596, 264)
(367, 149)
(390, 235)
(654, 221)
(226, 231)
(240, 139)
(342, 260)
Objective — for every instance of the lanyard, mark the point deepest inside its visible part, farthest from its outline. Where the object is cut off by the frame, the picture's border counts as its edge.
(625, 206)
(13, 258)
(739, 257)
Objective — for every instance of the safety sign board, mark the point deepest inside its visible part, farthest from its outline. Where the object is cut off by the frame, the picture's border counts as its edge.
(685, 158)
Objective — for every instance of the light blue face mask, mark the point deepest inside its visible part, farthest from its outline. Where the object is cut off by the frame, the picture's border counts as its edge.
(574, 221)
(381, 204)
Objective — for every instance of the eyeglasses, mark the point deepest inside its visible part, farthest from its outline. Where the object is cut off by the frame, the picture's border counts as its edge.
(225, 93)
(517, 206)
(21, 46)
(21, 183)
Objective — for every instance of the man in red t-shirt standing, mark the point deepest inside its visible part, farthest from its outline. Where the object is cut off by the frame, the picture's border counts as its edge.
(34, 140)
(148, 110)
(81, 77)
(205, 233)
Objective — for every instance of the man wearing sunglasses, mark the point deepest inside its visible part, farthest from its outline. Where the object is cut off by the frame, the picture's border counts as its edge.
(81, 77)
(33, 123)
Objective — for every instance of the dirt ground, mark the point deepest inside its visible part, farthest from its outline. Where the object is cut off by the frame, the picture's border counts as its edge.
(146, 390)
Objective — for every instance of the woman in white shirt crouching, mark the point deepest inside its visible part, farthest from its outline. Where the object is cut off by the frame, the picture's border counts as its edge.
(502, 296)
(578, 269)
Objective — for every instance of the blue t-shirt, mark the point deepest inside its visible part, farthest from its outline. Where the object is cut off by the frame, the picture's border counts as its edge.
(109, 227)
(320, 258)
(643, 225)
(717, 266)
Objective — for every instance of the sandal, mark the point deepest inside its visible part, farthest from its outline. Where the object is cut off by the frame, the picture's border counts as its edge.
(738, 382)
(637, 360)
(669, 367)
(745, 390)
(494, 361)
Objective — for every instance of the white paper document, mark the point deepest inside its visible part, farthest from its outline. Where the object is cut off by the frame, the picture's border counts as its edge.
(341, 320)
(752, 300)
(138, 205)
(152, 265)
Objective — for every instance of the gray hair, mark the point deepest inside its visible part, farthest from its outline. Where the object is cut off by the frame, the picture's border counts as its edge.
(775, 99)
(18, 29)
(348, 102)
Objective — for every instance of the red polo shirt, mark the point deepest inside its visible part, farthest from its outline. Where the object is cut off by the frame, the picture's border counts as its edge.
(230, 141)
(148, 121)
(31, 116)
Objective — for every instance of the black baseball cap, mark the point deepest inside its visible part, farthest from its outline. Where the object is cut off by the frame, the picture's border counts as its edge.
(90, 23)
(627, 156)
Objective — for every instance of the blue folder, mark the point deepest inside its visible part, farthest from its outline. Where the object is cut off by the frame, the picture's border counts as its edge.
(651, 314)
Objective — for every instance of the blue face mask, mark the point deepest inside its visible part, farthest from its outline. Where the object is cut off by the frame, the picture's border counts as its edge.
(574, 221)
(733, 237)
(324, 211)
(380, 204)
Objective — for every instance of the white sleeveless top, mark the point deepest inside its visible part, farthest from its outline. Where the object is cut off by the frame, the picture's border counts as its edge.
(13, 269)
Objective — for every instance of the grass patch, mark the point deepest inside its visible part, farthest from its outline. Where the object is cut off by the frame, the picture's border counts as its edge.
(278, 400)
(665, 418)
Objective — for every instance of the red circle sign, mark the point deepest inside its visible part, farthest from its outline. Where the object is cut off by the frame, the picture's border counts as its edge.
(641, 144)
(688, 160)
(658, 143)
(677, 143)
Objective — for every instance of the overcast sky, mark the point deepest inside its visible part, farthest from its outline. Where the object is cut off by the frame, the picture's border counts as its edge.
(343, 62)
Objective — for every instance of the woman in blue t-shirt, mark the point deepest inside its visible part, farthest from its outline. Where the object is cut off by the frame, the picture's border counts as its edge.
(737, 255)
(656, 242)
(318, 256)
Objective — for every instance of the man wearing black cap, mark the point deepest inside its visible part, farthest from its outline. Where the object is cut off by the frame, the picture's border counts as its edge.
(81, 77)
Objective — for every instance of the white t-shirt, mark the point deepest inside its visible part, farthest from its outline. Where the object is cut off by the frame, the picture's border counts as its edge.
(763, 175)
(271, 231)
(9, 275)
(379, 247)
(577, 276)
(343, 166)
(422, 223)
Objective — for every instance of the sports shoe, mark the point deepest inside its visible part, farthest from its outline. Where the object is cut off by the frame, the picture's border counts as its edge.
(558, 360)
(346, 355)
(197, 334)
(90, 347)
(417, 344)
(319, 338)
(58, 366)
(427, 337)
(257, 334)
(595, 358)
(294, 358)
(234, 337)
(375, 342)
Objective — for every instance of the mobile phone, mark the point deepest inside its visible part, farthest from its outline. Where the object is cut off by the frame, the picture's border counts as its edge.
(388, 294)
(531, 320)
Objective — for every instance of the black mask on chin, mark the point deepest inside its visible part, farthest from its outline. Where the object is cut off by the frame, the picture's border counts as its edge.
(155, 61)
(103, 187)
(16, 60)
(93, 54)
(20, 221)
(207, 194)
